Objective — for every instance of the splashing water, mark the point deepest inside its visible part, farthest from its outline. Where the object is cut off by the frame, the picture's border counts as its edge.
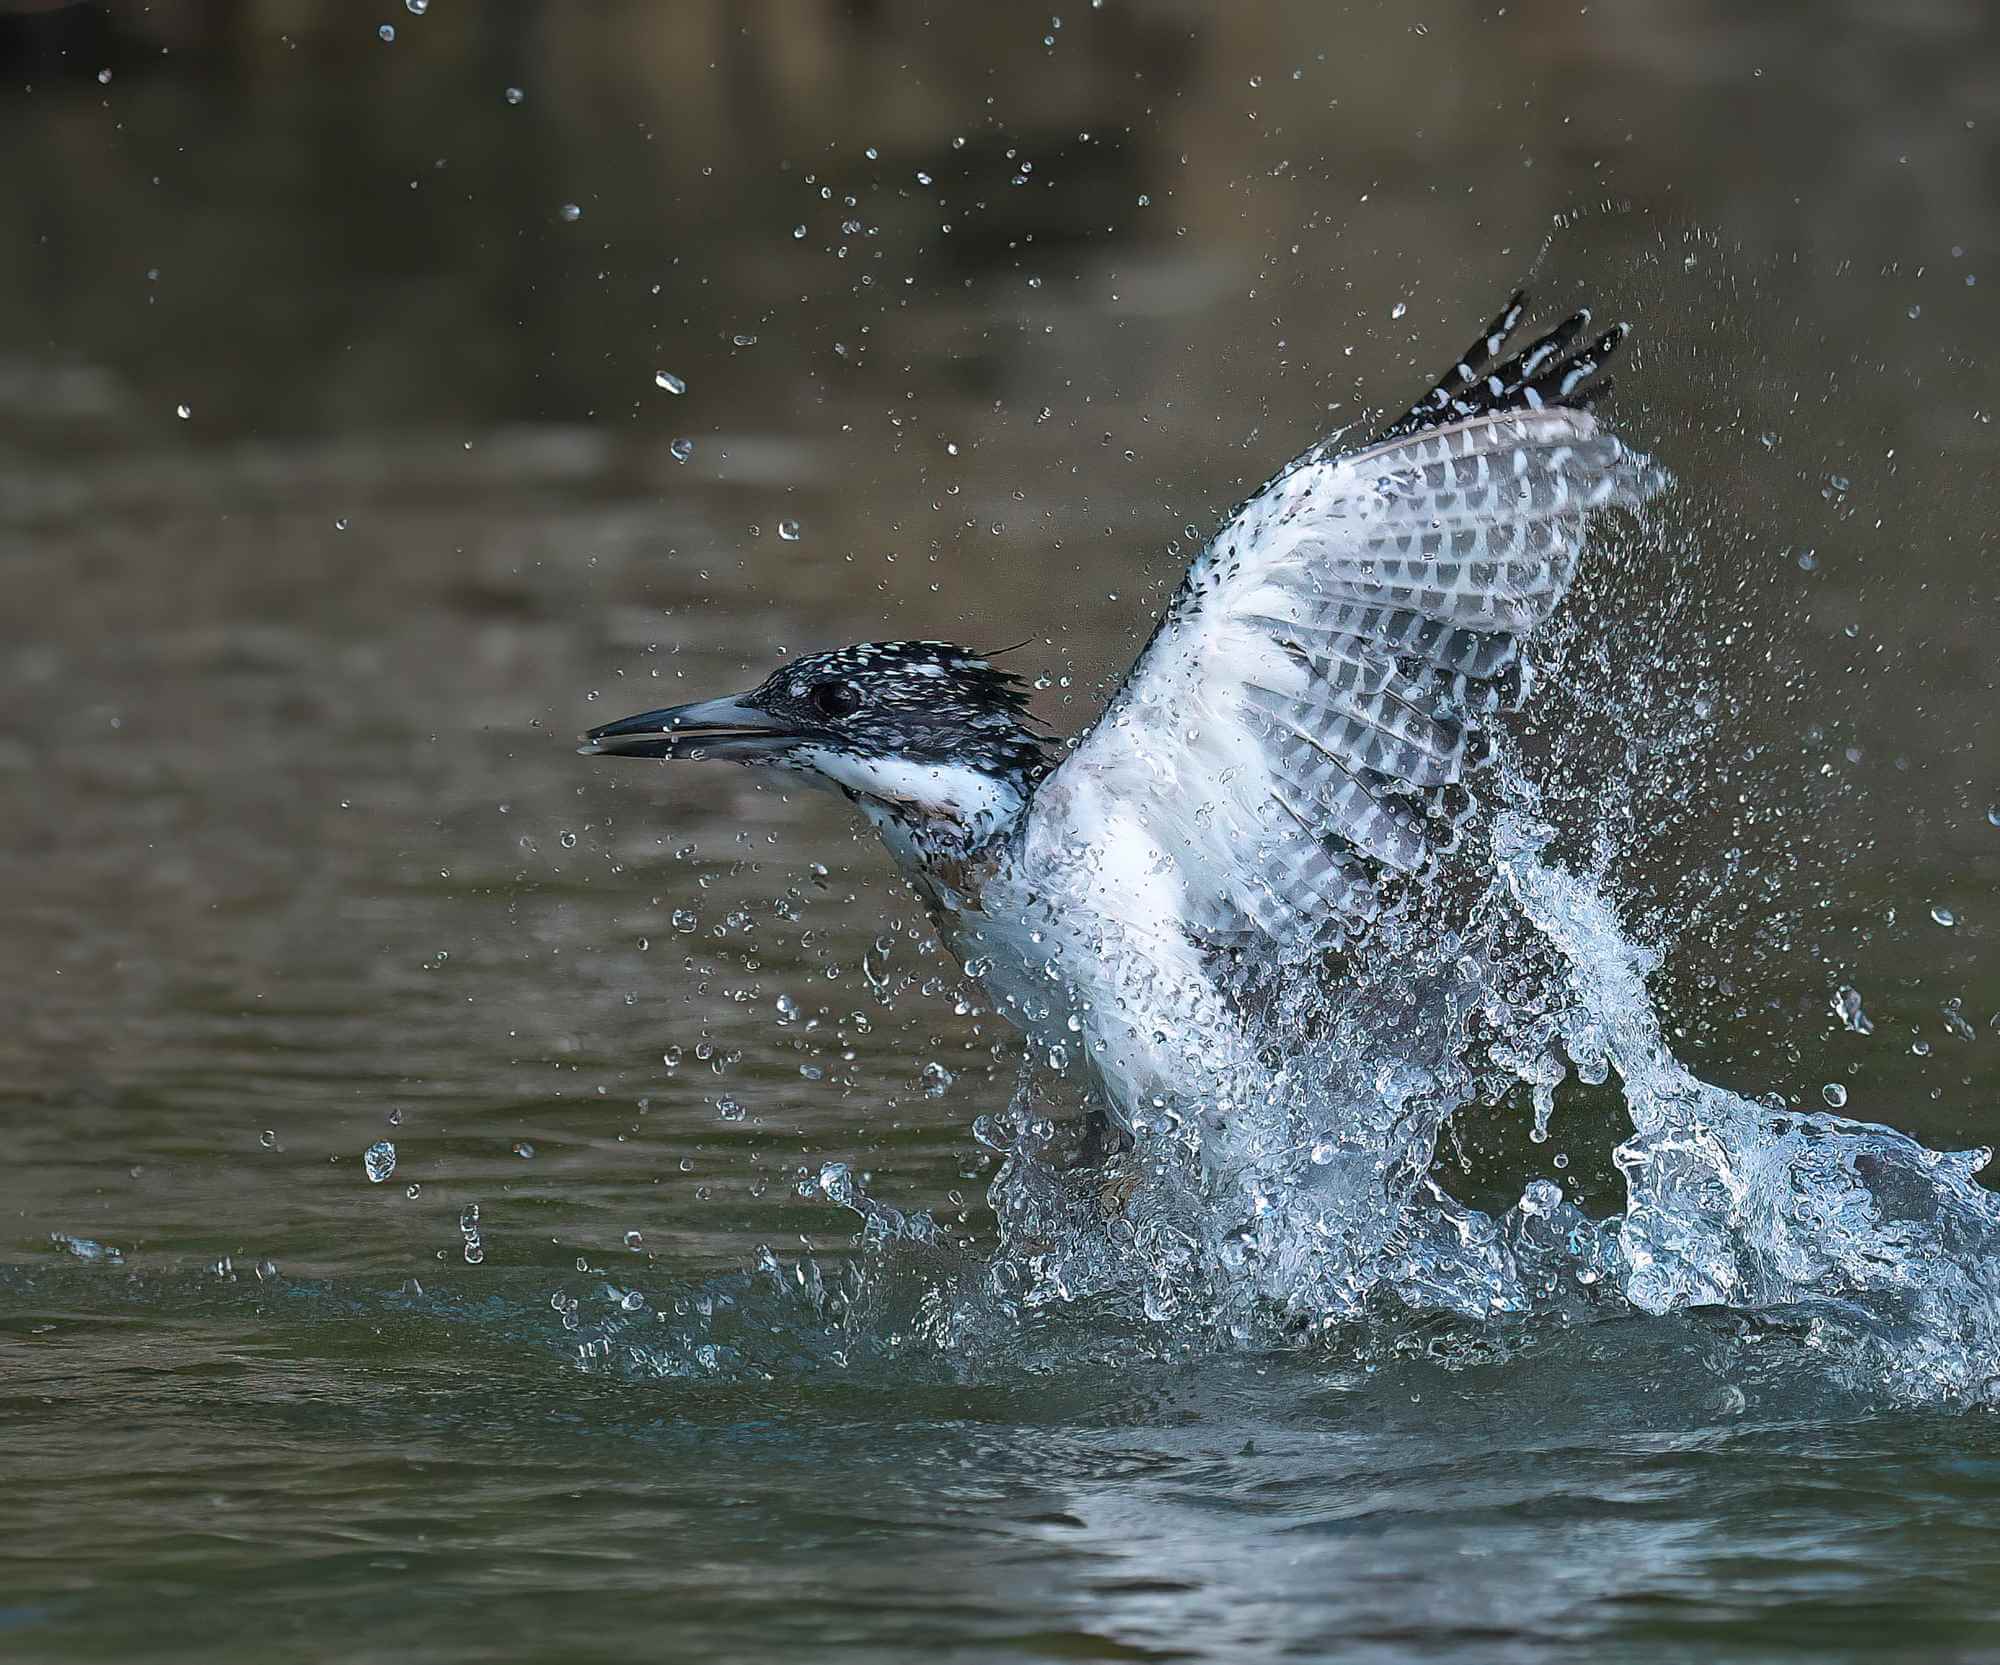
(1881, 1256)
(1321, 1211)
(1308, 1206)
(1886, 1251)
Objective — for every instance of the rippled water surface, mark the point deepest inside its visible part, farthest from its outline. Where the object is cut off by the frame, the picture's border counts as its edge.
(339, 489)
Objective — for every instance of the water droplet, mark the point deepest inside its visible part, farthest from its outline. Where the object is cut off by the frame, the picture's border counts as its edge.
(681, 450)
(1993, 815)
(387, 31)
(524, 1150)
(668, 381)
(729, 1110)
(1916, 312)
(1834, 1094)
(567, 840)
(104, 77)
(1847, 1007)
(475, 1251)
(184, 411)
(268, 1138)
(514, 95)
(1541, 1198)
(1943, 915)
(789, 530)
(937, 1079)
(380, 1161)
(1398, 310)
(417, 8)
(632, 1301)
(799, 232)
(340, 525)
(922, 177)
(572, 212)
(414, 1191)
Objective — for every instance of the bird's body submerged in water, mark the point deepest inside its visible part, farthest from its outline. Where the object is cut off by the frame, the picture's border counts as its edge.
(1294, 733)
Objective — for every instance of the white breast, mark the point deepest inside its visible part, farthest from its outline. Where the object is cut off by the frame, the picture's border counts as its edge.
(1081, 940)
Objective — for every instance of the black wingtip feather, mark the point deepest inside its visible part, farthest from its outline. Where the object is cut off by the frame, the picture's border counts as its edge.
(1550, 372)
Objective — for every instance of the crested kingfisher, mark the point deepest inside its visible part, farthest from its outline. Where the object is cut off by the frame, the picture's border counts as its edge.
(1292, 738)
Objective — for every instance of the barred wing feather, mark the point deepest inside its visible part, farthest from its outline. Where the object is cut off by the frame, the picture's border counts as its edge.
(1317, 684)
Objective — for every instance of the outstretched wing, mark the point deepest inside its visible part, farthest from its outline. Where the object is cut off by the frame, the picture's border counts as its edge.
(1313, 693)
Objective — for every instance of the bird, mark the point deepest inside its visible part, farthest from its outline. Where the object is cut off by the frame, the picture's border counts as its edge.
(1292, 743)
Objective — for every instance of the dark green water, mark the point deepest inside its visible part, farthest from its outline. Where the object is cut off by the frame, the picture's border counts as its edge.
(297, 843)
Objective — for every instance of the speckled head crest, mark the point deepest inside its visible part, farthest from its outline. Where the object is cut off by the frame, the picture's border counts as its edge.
(929, 702)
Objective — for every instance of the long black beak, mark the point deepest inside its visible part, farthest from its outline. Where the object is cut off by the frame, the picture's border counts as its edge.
(725, 729)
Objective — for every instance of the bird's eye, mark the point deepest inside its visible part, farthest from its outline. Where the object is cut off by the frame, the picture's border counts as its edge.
(836, 699)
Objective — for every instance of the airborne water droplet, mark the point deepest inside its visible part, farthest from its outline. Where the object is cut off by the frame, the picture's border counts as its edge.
(1943, 915)
(514, 95)
(380, 1161)
(789, 530)
(681, 449)
(668, 381)
(387, 31)
(572, 212)
(1835, 1095)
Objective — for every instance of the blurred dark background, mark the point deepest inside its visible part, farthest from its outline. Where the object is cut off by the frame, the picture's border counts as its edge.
(339, 487)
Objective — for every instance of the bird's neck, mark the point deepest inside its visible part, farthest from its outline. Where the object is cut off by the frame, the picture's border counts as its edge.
(944, 826)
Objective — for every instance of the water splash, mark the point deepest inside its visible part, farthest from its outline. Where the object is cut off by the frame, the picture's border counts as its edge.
(1735, 1204)
(1880, 1258)
(1311, 1207)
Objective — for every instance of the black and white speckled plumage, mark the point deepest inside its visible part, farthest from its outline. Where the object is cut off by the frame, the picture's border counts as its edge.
(928, 702)
(1322, 673)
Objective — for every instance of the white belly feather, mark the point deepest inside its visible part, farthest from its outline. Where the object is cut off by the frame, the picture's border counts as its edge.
(1080, 938)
